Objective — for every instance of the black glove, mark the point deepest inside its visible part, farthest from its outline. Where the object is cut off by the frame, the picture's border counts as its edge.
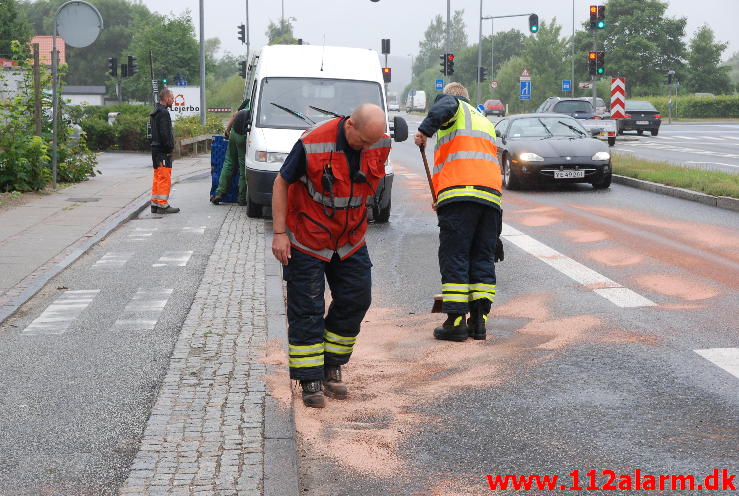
(499, 255)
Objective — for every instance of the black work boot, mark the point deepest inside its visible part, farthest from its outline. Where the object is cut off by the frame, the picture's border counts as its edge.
(167, 210)
(476, 323)
(216, 199)
(453, 329)
(154, 209)
(335, 388)
(313, 394)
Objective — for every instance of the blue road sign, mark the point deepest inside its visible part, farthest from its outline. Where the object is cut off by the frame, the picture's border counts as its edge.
(566, 85)
(481, 108)
(439, 84)
(525, 93)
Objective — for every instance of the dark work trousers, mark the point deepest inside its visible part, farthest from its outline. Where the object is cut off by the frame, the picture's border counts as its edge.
(315, 340)
(467, 237)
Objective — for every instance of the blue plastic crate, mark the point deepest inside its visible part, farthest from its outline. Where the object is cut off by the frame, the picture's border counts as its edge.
(232, 195)
(218, 149)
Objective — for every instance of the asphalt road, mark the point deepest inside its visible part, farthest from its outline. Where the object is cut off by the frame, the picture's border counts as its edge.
(571, 377)
(74, 404)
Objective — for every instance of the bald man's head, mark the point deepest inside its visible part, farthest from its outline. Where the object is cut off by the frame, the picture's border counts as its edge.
(365, 127)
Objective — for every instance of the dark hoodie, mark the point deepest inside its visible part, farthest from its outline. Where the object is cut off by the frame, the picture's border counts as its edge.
(161, 130)
(443, 109)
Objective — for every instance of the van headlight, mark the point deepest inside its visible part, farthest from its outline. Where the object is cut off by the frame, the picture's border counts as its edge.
(530, 157)
(262, 156)
(602, 156)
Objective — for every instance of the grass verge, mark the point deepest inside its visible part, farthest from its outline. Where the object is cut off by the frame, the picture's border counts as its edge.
(709, 182)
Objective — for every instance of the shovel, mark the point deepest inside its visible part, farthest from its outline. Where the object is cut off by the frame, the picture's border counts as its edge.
(436, 308)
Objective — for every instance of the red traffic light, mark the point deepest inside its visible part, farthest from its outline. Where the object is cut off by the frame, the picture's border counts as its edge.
(592, 55)
(386, 74)
(593, 9)
(450, 56)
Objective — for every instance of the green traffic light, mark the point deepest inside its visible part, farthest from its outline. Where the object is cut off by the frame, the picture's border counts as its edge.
(601, 24)
(600, 70)
(534, 29)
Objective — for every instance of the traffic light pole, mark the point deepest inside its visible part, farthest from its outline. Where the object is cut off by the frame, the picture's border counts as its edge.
(593, 76)
(449, 31)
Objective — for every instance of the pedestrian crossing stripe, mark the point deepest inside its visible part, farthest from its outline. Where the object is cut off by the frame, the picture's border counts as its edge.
(113, 260)
(726, 358)
(144, 309)
(58, 316)
(173, 258)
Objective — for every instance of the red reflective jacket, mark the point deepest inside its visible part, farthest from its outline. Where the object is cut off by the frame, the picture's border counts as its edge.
(322, 221)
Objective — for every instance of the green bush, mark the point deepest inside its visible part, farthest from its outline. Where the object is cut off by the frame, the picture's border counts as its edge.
(130, 132)
(187, 127)
(689, 106)
(99, 134)
(76, 162)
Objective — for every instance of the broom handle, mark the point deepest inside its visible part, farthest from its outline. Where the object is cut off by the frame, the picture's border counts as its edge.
(422, 148)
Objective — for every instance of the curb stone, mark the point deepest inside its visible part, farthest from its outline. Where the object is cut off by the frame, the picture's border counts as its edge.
(724, 202)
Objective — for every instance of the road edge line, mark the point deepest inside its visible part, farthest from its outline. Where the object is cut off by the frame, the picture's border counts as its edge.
(723, 202)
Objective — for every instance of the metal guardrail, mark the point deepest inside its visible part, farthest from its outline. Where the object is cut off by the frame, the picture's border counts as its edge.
(194, 142)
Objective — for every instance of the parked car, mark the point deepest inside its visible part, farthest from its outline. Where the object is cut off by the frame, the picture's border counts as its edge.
(545, 147)
(640, 116)
(494, 107)
(393, 107)
(291, 87)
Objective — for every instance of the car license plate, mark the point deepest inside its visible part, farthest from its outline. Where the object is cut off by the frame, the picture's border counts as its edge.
(568, 174)
(602, 133)
(643, 123)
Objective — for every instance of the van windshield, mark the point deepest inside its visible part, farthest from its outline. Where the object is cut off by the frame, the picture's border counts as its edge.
(341, 96)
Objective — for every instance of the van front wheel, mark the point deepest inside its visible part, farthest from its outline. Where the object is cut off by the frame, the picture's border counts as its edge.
(253, 210)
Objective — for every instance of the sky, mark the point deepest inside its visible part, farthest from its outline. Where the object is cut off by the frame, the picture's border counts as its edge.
(362, 23)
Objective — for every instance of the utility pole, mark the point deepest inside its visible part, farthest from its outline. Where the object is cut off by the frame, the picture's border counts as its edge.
(202, 63)
(572, 53)
(247, 34)
(36, 91)
(479, 58)
(448, 31)
(592, 77)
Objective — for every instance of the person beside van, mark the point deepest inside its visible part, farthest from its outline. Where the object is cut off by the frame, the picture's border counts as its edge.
(467, 184)
(235, 156)
(319, 211)
(162, 146)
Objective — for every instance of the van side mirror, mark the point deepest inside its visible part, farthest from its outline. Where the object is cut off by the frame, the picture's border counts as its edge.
(400, 129)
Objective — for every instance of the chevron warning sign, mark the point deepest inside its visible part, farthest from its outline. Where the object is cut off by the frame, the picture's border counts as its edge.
(618, 97)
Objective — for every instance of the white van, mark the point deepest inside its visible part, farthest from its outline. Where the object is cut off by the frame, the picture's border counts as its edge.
(416, 101)
(290, 87)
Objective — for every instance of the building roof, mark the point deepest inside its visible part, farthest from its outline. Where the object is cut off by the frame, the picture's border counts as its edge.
(45, 43)
(84, 90)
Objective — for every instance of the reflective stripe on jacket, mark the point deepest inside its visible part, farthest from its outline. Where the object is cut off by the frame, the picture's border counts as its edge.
(321, 222)
(465, 159)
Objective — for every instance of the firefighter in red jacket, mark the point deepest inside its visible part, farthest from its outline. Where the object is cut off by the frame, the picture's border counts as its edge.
(319, 210)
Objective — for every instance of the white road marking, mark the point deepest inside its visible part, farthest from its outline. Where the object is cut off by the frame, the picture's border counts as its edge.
(687, 137)
(726, 358)
(58, 316)
(194, 230)
(144, 309)
(712, 163)
(600, 284)
(173, 258)
(716, 138)
(142, 233)
(113, 260)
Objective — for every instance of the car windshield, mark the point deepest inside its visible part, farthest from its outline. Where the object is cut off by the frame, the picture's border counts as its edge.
(637, 105)
(493, 102)
(341, 96)
(546, 127)
(572, 106)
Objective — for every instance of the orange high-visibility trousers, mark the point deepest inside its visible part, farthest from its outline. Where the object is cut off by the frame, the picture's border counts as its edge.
(161, 186)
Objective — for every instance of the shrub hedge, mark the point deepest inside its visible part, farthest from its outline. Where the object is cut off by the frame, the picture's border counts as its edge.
(688, 107)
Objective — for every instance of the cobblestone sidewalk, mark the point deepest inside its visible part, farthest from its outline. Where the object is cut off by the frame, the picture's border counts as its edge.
(206, 432)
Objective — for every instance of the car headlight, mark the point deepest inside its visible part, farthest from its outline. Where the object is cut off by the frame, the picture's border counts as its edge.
(530, 157)
(602, 156)
(262, 156)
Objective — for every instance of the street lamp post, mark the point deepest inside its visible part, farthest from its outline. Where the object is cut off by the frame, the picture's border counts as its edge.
(202, 63)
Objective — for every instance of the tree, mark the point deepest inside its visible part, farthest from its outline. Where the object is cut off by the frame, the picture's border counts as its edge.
(508, 86)
(640, 42)
(704, 72)
(434, 42)
(171, 40)
(543, 54)
(13, 26)
(281, 33)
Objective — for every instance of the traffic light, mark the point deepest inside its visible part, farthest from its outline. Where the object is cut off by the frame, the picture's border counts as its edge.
(593, 16)
(385, 46)
(670, 76)
(482, 74)
(592, 61)
(534, 23)
(242, 68)
(442, 64)
(113, 66)
(601, 17)
(449, 64)
(242, 33)
(165, 79)
(600, 63)
(133, 68)
(387, 74)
